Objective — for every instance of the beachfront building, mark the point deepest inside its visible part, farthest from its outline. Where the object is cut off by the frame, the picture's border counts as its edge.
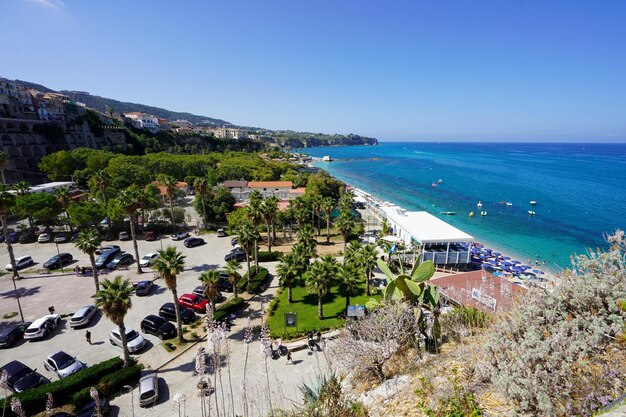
(433, 238)
(279, 189)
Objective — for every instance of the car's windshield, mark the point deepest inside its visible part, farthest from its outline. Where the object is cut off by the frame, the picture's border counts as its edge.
(63, 361)
(131, 335)
(19, 375)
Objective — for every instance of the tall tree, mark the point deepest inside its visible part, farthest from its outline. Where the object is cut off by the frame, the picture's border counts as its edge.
(64, 197)
(114, 298)
(306, 237)
(7, 200)
(168, 265)
(269, 208)
(170, 190)
(3, 163)
(351, 253)
(130, 202)
(367, 259)
(100, 181)
(88, 241)
(319, 279)
(288, 271)
(345, 224)
(349, 282)
(316, 208)
(255, 215)
(327, 207)
(232, 269)
(201, 188)
(247, 237)
(210, 279)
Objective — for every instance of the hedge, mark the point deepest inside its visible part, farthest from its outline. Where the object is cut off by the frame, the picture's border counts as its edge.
(228, 307)
(34, 400)
(269, 256)
(255, 284)
(109, 384)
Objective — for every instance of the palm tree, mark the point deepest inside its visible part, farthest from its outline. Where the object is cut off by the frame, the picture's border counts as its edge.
(254, 214)
(21, 187)
(246, 235)
(269, 208)
(349, 282)
(7, 200)
(88, 241)
(210, 279)
(288, 271)
(306, 236)
(130, 201)
(101, 181)
(345, 224)
(319, 279)
(351, 253)
(232, 266)
(168, 265)
(64, 196)
(385, 227)
(114, 298)
(327, 205)
(367, 259)
(346, 202)
(316, 207)
(3, 163)
(170, 189)
(201, 187)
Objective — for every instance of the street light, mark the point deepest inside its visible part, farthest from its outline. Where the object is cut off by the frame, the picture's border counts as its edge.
(132, 399)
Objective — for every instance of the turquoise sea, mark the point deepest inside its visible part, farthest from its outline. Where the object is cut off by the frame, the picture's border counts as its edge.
(580, 189)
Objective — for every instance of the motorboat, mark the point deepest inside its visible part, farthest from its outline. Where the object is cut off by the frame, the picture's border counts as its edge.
(448, 213)
(440, 181)
(531, 212)
(533, 202)
(483, 213)
(471, 214)
(509, 204)
(479, 205)
(433, 185)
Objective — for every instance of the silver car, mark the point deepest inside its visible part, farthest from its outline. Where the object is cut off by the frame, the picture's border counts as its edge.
(63, 364)
(83, 316)
(148, 390)
(134, 340)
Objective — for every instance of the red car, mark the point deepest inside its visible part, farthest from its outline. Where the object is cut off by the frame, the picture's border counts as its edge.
(193, 302)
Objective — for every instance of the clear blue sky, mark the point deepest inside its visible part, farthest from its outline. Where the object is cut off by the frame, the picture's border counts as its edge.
(428, 70)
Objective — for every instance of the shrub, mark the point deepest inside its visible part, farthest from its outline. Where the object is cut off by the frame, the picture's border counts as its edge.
(228, 307)
(34, 400)
(273, 306)
(256, 282)
(269, 256)
(109, 385)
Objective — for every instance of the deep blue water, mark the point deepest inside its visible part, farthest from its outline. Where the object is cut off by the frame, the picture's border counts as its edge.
(580, 189)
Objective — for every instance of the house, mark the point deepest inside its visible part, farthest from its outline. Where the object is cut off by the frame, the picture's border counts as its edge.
(181, 185)
(238, 189)
(279, 189)
(143, 121)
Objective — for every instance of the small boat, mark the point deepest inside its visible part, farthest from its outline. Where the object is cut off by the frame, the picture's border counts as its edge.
(502, 202)
(479, 205)
(448, 213)
(483, 213)
(531, 212)
(533, 202)
(509, 204)
(439, 181)
(433, 185)
(471, 214)
(327, 158)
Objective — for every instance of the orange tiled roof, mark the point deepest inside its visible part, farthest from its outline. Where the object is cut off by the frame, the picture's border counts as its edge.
(270, 184)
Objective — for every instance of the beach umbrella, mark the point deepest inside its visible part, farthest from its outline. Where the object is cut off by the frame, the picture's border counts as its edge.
(514, 261)
(488, 249)
(497, 253)
(536, 271)
(506, 257)
(526, 266)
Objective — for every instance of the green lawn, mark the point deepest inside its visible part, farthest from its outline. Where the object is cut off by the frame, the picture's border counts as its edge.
(305, 305)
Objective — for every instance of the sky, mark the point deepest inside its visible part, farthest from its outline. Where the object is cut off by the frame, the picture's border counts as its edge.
(395, 70)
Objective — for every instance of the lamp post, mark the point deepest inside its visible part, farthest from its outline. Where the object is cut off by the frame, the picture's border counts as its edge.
(132, 399)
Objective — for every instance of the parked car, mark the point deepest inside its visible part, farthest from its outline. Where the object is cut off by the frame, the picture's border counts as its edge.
(194, 302)
(150, 235)
(105, 248)
(12, 334)
(124, 235)
(180, 236)
(142, 287)
(158, 326)
(148, 259)
(28, 237)
(134, 340)
(148, 390)
(44, 238)
(21, 377)
(234, 241)
(83, 316)
(200, 289)
(63, 364)
(168, 312)
(91, 410)
(42, 327)
(21, 262)
(57, 261)
(237, 254)
(107, 256)
(224, 283)
(61, 238)
(221, 232)
(193, 241)
(121, 259)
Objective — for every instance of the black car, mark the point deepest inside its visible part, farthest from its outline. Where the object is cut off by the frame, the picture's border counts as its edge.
(224, 283)
(57, 261)
(158, 326)
(237, 254)
(193, 241)
(121, 259)
(21, 377)
(106, 256)
(200, 292)
(103, 249)
(234, 241)
(142, 288)
(28, 238)
(90, 410)
(12, 333)
(168, 312)
(180, 235)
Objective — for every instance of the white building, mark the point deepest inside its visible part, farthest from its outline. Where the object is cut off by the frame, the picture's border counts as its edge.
(143, 121)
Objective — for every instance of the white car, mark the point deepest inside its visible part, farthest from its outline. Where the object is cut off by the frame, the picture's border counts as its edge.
(134, 340)
(42, 327)
(44, 238)
(148, 259)
(63, 364)
(83, 316)
(21, 262)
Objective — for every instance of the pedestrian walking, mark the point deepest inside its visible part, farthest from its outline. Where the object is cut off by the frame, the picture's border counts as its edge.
(51, 309)
(289, 359)
(88, 336)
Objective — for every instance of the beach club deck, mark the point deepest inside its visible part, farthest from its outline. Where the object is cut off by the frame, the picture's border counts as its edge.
(439, 241)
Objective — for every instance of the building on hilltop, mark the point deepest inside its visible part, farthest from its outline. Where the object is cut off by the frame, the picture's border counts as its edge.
(145, 121)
